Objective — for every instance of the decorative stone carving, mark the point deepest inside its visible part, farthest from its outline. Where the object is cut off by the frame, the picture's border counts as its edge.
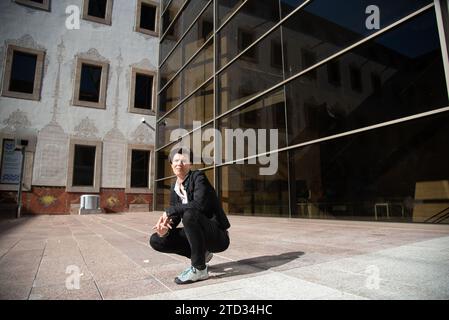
(119, 69)
(61, 50)
(114, 145)
(114, 164)
(142, 135)
(51, 156)
(144, 64)
(115, 135)
(91, 54)
(114, 160)
(27, 41)
(16, 120)
(86, 129)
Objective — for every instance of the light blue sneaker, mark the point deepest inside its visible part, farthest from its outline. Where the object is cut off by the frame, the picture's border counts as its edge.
(191, 274)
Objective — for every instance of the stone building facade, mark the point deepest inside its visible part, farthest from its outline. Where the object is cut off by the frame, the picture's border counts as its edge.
(94, 65)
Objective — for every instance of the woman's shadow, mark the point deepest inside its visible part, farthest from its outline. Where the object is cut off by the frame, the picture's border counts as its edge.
(252, 265)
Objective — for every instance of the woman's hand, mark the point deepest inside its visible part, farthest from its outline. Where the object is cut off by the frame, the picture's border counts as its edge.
(163, 225)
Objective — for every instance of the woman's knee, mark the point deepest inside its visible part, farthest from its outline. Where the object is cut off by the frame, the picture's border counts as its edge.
(156, 242)
(189, 217)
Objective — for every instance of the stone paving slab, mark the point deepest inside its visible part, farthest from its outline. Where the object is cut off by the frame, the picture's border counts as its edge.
(268, 258)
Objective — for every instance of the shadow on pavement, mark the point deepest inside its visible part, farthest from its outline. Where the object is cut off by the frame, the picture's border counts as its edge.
(8, 223)
(257, 264)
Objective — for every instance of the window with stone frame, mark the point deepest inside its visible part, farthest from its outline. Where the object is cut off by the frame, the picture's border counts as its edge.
(142, 91)
(91, 79)
(84, 166)
(22, 77)
(138, 177)
(140, 168)
(39, 4)
(98, 11)
(147, 15)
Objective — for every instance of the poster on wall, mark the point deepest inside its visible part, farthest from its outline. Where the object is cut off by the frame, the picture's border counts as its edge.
(11, 163)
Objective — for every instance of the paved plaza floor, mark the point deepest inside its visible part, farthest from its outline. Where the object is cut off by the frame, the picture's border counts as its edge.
(107, 256)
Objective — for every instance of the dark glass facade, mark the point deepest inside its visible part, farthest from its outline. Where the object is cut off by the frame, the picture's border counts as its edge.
(359, 100)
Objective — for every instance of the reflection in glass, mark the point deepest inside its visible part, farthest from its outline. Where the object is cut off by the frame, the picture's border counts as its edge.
(163, 193)
(254, 19)
(244, 191)
(179, 27)
(199, 107)
(266, 113)
(395, 173)
(163, 166)
(170, 96)
(249, 75)
(226, 8)
(169, 15)
(404, 73)
(198, 70)
(287, 6)
(166, 126)
(324, 27)
(195, 38)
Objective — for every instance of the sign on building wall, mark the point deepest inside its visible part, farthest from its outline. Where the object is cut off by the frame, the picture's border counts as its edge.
(11, 163)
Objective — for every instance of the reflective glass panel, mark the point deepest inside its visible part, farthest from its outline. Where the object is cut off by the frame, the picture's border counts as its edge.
(254, 120)
(180, 26)
(244, 191)
(395, 173)
(324, 27)
(195, 38)
(401, 73)
(254, 19)
(199, 107)
(251, 73)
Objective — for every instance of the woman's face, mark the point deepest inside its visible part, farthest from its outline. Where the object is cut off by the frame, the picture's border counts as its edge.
(181, 165)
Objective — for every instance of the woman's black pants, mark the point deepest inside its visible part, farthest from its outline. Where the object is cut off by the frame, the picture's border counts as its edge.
(198, 235)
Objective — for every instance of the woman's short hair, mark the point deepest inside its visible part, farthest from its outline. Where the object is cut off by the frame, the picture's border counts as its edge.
(181, 150)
